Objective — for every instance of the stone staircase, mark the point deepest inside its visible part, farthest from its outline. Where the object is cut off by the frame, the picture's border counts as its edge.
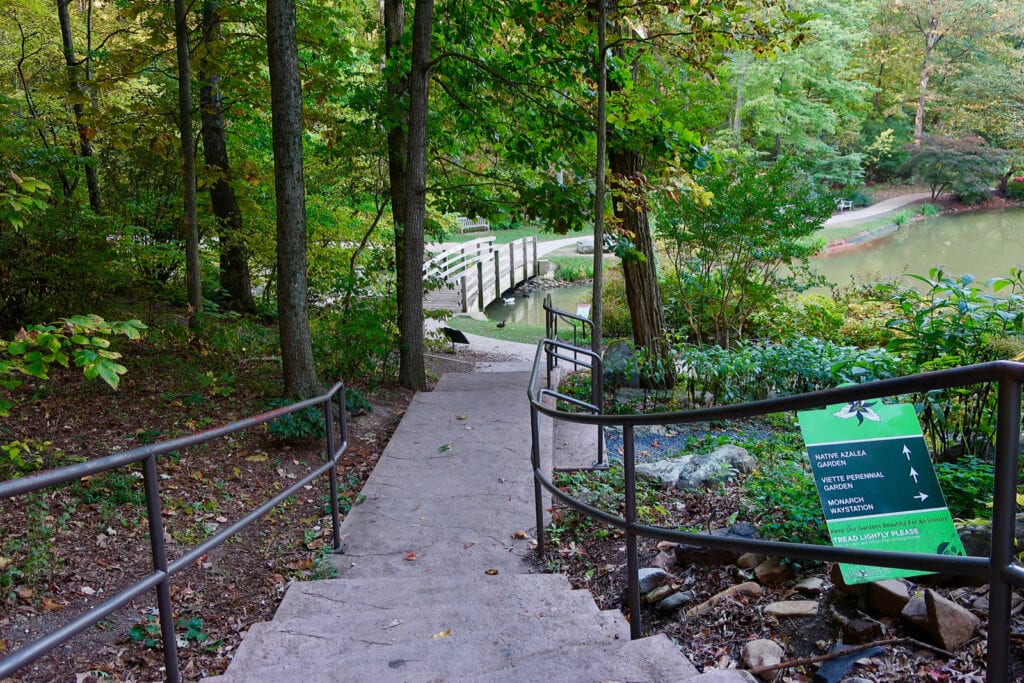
(436, 583)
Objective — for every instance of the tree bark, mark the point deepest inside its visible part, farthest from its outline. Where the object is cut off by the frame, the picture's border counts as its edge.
(398, 139)
(190, 221)
(642, 293)
(300, 378)
(411, 371)
(78, 94)
(932, 36)
(596, 310)
(235, 278)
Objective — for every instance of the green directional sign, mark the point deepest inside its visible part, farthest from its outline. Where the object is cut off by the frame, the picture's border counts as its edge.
(877, 484)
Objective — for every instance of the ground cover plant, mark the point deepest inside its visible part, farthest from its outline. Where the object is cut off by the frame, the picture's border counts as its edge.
(63, 549)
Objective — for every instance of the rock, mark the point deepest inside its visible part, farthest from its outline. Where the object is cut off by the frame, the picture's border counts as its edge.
(915, 612)
(858, 629)
(620, 366)
(651, 578)
(585, 245)
(951, 624)
(657, 595)
(748, 588)
(813, 585)
(762, 652)
(792, 608)
(663, 560)
(676, 601)
(749, 560)
(694, 471)
(694, 554)
(773, 571)
(889, 596)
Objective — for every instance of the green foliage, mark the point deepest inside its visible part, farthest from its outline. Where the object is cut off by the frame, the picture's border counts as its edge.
(1015, 188)
(861, 197)
(885, 150)
(952, 322)
(750, 372)
(82, 339)
(573, 268)
(964, 166)
(33, 560)
(615, 307)
(967, 485)
(903, 217)
(605, 490)
(358, 341)
(18, 458)
(928, 210)
(780, 494)
(300, 425)
(726, 256)
(356, 403)
(147, 632)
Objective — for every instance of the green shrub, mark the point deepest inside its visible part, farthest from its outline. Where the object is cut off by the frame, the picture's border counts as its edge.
(861, 197)
(615, 307)
(1015, 189)
(903, 217)
(972, 195)
(780, 494)
(967, 485)
(928, 210)
(812, 315)
(574, 268)
(303, 424)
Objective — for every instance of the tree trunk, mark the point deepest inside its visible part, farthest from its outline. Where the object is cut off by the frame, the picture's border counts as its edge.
(78, 94)
(234, 263)
(932, 36)
(411, 371)
(300, 378)
(596, 310)
(642, 293)
(398, 139)
(188, 165)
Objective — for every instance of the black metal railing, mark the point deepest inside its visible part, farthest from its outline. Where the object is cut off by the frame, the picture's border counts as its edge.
(1000, 568)
(579, 357)
(337, 441)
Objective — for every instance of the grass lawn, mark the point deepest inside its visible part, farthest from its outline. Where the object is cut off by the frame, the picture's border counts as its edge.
(516, 332)
(506, 236)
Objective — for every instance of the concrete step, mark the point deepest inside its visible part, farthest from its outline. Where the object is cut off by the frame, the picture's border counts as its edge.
(473, 640)
(515, 381)
(544, 593)
(653, 659)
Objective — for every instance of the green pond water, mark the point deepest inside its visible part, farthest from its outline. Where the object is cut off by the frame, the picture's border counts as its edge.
(986, 244)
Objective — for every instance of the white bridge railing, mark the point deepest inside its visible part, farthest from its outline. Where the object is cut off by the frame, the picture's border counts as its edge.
(468, 276)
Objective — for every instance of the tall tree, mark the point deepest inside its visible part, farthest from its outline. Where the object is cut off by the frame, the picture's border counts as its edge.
(190, 222)
(78, 97)
(235, 278)
(300, 378)
(411, 371)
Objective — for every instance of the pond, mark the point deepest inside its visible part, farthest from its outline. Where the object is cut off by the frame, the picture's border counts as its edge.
(985, 244)
(529, 309)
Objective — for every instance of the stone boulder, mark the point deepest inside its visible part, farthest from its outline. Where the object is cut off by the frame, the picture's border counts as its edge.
(694, 471)
(620, 366)
(585, 245)
(687, 554)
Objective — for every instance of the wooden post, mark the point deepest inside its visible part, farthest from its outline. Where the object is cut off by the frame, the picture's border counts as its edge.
(497, 274)
(511, 264)
(536, 261)
(480, 284)
(462, 295)
(526, 262)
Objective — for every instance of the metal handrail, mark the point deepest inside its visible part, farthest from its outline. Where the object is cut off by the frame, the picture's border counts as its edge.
(163, 570)
(1001, 569)
(552, 316)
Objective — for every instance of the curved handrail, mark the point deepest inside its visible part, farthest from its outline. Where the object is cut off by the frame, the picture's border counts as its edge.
(163, 570)
(1000, 567)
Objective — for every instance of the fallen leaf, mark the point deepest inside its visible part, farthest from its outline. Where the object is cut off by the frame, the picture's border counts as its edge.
(3, 646)
(51, 605)
(25, 593)
(520, 535)
(256, 458)
(396, 622)
(491, 572)
(5, 562)
(410, 556)
(444, 448)
(467, 546)
(461, 417)
(443, 634)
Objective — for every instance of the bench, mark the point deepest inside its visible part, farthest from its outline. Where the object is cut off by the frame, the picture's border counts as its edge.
(843, 205)
(474, 224)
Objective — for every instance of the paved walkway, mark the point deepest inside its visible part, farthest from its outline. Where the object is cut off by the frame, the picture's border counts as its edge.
(438, 583)
(875, 210)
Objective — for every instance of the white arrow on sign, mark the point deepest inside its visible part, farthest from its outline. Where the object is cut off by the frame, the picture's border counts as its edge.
(906, 451)
(921, 496)
(913, 474)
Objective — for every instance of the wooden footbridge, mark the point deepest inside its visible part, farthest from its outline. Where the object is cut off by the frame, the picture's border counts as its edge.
(468, 276)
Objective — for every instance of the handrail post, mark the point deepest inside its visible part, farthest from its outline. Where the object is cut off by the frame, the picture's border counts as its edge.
(159, 549)
(480, 284)
(1004, 505)
(632, 553)
(511, 265)
(332, 474)
(538, 501)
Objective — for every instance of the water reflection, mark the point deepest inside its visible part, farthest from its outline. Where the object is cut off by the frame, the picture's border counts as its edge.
(984, 244)
(529, 310)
